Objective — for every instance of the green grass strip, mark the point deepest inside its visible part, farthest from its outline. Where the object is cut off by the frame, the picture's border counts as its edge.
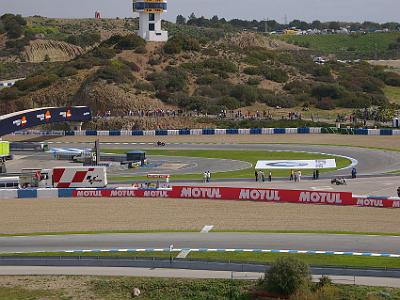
(243, 257)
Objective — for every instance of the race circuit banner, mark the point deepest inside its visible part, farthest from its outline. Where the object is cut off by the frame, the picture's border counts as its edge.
(296, 164)
(241, 194)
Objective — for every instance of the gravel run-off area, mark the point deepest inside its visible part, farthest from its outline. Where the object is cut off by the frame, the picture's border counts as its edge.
(72, 215)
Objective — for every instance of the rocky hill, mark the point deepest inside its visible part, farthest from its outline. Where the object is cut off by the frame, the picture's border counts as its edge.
(103, 64)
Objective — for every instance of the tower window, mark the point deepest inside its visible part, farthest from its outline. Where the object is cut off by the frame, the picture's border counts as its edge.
(151, 27)
(152, 17)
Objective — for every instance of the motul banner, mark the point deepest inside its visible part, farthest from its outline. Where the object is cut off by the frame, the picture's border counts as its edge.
(242, 194)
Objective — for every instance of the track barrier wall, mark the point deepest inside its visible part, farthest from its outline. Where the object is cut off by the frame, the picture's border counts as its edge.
(213, 193)
(253, 131)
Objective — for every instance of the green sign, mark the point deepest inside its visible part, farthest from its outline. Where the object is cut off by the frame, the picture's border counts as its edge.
(4, 148)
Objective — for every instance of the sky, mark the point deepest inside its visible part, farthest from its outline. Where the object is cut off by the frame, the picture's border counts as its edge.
(308, 10)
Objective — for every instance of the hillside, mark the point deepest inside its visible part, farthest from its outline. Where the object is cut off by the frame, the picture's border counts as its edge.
(101, 63)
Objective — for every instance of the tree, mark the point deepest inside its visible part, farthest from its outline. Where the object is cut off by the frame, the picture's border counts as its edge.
(333, 91)
(316, 25)
(299, 24)
(287, 275)
(214, 19)
(334, 25)
(180, 20)
(192, 16)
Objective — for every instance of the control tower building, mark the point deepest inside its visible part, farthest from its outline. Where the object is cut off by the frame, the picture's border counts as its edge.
(150, 19)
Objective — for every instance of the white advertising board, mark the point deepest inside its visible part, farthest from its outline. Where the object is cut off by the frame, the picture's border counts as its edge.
(296, 164)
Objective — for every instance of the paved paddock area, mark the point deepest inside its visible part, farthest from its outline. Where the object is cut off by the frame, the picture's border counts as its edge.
(103, 214)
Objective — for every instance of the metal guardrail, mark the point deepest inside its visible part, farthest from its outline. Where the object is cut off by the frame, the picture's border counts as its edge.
(190, 264)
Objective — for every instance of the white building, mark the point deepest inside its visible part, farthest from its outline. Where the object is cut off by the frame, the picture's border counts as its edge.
(150, 19)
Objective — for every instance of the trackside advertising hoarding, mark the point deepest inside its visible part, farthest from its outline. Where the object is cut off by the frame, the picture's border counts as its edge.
(241, 194)
(295, 164)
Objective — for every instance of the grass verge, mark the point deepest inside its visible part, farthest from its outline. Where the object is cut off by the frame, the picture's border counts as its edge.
(393, 93)
(248, 156)
(119, 288)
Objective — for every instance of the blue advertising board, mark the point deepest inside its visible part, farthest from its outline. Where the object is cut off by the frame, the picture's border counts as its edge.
(29, 118)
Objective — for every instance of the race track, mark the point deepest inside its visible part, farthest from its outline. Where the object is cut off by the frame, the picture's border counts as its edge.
(369, 161)
(352, 243)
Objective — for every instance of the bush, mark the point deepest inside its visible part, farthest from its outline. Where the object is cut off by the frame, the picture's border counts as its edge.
(154, 61)
(103, 53)
(172, 47)
(333, 91)
(141, 50)
(274, 74)
(379, 100)
(324, 281)
(87, 62)
(228, 102)
(245, 94)
(210, 52)
(297, 87)
(276, 100)
(115, 73)
(355, 101)
(129, 42)
(392, 78)
(326, 104)
(257, 56)
(36, 82)
(218, 65)
(206, 79)
(252, 71)
(84, 40)
(17, 44)
(270, 73)
(144, 86)
(180, 43)
(208, 91)
(67, 71)
(287, 275)
(171, 80)
(253, 81)
(10, 93)
(133, 66)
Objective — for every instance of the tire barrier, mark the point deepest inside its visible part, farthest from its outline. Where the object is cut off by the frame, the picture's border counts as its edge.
(252, 131)
(213, 193)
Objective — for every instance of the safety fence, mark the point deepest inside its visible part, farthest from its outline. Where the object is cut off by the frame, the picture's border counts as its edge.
(212, 193)
(212, 131)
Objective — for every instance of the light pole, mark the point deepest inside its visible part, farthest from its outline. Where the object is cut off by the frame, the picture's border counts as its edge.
(171, 248)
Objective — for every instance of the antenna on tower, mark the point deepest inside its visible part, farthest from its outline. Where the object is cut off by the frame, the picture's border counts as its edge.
(266, 29)
(286, 20)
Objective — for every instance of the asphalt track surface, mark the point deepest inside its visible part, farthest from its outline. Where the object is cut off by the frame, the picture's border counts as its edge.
(158, 163)
(322, 242)
(369, 161)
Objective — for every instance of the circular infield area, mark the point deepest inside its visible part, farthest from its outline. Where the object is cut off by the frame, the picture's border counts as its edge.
(368, 161)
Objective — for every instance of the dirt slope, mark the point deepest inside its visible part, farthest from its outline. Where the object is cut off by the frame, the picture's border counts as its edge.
(39, 50)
